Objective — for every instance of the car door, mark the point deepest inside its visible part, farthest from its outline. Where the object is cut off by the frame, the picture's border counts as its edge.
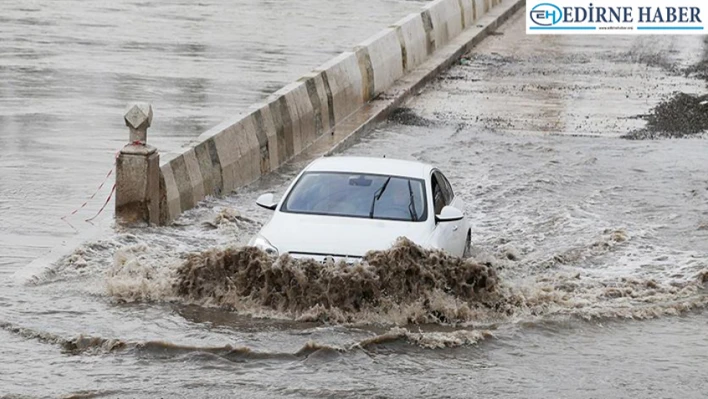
(444, 233)
(459, 228)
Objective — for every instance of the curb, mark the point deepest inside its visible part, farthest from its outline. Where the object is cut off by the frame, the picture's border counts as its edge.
(379, 109)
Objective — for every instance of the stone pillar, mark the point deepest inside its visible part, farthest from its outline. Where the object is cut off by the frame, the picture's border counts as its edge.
(138, 172)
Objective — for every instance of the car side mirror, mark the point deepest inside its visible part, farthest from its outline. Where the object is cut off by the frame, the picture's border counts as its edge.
(449, 214)
(267, 201)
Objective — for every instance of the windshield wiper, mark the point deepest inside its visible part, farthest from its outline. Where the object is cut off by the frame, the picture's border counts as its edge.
(411, 203)
(377, 196)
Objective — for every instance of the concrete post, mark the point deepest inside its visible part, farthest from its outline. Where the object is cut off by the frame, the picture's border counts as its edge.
(138, 172)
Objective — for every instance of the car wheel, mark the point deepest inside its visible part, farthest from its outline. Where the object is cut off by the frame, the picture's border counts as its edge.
(468, 246)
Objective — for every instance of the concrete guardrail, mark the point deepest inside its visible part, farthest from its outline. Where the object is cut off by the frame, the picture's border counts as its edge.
(337, 100)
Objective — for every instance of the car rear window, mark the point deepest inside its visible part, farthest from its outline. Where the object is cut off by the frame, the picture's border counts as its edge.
(358, 195)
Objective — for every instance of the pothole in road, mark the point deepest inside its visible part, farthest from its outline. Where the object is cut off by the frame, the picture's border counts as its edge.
(407, 117)
(682, 115)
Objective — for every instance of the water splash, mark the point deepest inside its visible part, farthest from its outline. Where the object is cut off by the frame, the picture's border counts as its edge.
(403, 285)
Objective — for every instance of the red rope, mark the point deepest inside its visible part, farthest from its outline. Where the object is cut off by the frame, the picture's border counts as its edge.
(108, 175)
(104, 204)
(113, 189)
(110, 172)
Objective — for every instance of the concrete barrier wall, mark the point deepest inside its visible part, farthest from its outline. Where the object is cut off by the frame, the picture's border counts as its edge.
(241, 150)
(412, 38)
(446, 17)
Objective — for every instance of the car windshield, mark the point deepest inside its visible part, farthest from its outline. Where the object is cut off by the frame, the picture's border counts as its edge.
(358, 195)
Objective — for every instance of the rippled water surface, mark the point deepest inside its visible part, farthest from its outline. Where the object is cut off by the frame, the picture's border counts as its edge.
(69, 68)
(599, 247)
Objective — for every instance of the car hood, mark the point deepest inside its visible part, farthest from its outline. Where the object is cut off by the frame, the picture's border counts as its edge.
(338, 236)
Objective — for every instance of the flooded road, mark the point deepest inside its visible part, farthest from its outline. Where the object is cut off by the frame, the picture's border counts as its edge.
(599, 245)
(69, 68)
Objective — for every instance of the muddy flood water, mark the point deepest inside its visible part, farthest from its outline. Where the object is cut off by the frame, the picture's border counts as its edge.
(588, 277)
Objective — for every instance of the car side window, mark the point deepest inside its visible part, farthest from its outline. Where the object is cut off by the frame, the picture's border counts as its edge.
(447, 189)
(444, 187)
(439, 200)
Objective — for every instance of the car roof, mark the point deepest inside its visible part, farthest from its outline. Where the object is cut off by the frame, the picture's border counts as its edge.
(370, 165)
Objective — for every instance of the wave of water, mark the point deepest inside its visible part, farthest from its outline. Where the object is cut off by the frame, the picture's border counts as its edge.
(405, 285)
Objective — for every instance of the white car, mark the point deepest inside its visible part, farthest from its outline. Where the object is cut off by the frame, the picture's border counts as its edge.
(343, 207)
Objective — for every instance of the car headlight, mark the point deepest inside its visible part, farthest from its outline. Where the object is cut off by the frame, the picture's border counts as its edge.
(264, 245)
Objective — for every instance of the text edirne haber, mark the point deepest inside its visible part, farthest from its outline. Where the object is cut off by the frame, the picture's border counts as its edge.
(628, 14)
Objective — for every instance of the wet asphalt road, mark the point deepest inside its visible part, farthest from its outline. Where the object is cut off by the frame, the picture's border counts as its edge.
(601, 242)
